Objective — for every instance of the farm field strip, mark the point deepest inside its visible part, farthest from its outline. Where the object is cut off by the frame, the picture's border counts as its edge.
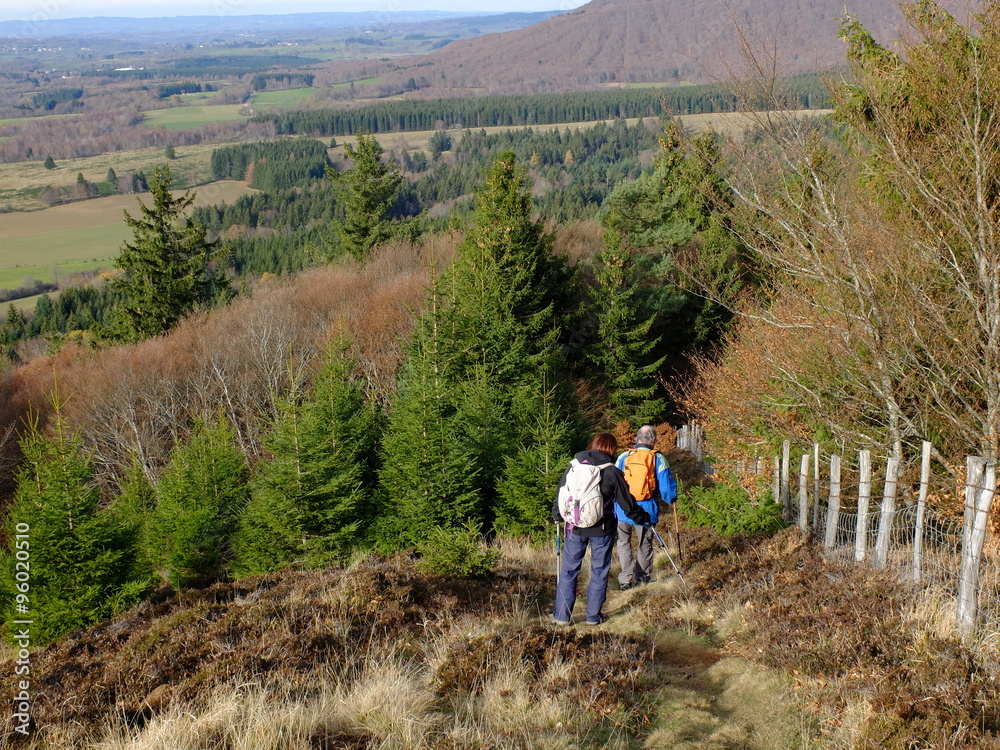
(12, 120)
(19, 179)
(184, 118)
(11, 278)
(104, 211)
(78, 236)
(285, 98)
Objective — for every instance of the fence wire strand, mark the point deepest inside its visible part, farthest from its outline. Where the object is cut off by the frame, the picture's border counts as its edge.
(941, 544)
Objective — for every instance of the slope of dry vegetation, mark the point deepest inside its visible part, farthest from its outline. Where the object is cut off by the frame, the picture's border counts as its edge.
(139, 401)
(771, 648)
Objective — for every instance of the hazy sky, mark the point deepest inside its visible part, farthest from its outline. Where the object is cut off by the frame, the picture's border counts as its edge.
(38, 10)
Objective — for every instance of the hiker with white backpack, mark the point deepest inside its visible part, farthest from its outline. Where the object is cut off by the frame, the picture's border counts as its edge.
(584, 504)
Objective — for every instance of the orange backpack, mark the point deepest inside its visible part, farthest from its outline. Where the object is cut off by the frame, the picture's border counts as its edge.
(640, 473)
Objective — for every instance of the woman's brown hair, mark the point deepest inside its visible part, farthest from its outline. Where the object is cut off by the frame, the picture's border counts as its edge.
(605, 442)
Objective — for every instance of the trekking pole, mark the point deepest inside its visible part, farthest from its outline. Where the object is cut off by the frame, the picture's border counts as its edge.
(667, 553)
(677, 529)
(558, 553)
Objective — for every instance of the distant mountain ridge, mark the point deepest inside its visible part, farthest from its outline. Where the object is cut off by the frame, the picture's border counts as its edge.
(224, 23)
(643, 41)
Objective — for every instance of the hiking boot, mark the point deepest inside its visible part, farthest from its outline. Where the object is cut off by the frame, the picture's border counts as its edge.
(627, 586)
(602, 618)
(557, 621)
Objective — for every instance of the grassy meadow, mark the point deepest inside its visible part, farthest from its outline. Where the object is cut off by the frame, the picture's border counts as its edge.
(78, 236)
(197, 112)
(288, 98)
(21, 183)
(185, 118)
(39, 117)
(360, 82)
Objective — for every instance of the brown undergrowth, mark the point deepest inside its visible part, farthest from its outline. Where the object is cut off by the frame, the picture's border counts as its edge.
(874, 672)
(767, 647)
(307, 639)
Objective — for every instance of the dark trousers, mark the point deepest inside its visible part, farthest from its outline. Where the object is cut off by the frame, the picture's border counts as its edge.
(573, 553)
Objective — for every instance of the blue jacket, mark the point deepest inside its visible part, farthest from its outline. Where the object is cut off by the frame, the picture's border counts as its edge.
(665, 484)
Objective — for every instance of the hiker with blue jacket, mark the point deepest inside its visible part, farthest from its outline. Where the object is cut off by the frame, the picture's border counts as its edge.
(650, 481)
(577, 504)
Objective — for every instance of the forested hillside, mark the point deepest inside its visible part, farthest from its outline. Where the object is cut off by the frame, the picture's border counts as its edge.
(621, 42)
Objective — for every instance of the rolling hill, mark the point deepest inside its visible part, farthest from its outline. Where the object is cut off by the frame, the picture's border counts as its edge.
(618, 42)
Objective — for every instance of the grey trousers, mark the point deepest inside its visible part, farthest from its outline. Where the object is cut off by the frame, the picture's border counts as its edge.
(637, 567)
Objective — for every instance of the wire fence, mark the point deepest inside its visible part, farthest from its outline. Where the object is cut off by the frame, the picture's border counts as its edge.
(875, 513)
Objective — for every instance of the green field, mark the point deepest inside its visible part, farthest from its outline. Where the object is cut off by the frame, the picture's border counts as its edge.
(47, 250)
(185, 118)
(361, 82)
(289, 98)
(78, 236)
(12, 278)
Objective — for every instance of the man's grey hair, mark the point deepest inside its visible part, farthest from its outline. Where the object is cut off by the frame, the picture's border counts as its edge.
(646, 435)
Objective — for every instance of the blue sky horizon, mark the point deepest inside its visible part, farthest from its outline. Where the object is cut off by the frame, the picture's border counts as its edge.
(39, 10)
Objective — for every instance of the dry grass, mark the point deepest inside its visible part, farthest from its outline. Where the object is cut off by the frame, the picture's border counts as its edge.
(388, 701)
(382, 656)
(779, 658)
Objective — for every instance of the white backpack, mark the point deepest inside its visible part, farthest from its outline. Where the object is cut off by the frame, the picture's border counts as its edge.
(580, 501)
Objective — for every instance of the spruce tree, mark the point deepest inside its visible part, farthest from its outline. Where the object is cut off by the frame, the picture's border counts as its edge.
(508, 293)
(489, 332)
(77, 555)
(165, 271)
(624, 345)
(134, 504)
(659, 210)
(532, 472)
(198, 501)
(365, 194)
(13, 331)
(682, 204)
(311, 501)
(428, 475)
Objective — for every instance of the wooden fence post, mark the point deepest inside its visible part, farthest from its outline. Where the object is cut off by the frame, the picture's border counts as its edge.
(918, 531)
(804, 493)
(864, 496)
(833, 509)
(979, 491)
(881, 555)
(786, 492)
(815, 485)
(776, 481)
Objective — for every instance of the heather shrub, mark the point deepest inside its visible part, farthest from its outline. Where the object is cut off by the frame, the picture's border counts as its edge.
(729, 510)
